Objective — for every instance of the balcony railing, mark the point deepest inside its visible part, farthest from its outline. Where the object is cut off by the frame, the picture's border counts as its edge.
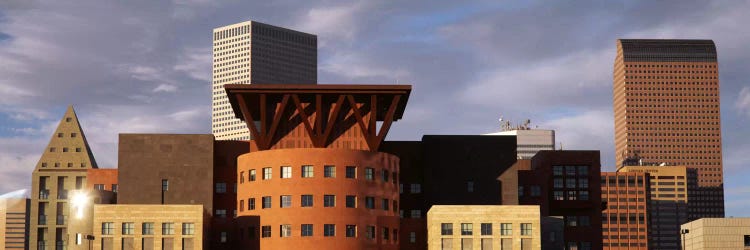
(60, 245)
(61, 219)
(42, 245)
(42, 220)
(62, 194)
(44, 194)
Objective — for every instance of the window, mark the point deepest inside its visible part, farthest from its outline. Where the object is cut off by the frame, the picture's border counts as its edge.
(98, 186)
(525, 228)
(412, 237)
(558, 195)
(583, 195)
(384, 175)
(486, 228)
(73, 135)
(164, 185)
(266, 202)
(446, 229)
(570, 170)
(78, 150)
(265, 231)
(223, 237)
(128, 228)
(520, 191)
(307, 171)
(583, 183)
(68, 119)
(470, 186)
(351, 172)
(369, 174)
(571, 221)
(285, 230)
(167, 228)
(242, 205)
(307, 230)
(506, 229)
(221, 213)
(329, 230)
(583, 170)
(370, 232)
(108, 228)
(329, 171)
(251, 204)
(415, 188)
(584, 221)
(385, 204)
(467, 229)
(536, 191)
(59, 135)
(286, 172)
(585, 245)
(242, 177)
(267, 173)
(286, 201)
(747, 240)
(252, 175)
(572, 195)
(221, 188)
(351, 201)
(570, 183)
(329, 200)
(557, 170)
(416, 214)
(400, 187)
(307, 200)
(386, 233)
(572, 245)
(52, 149)
(188, 228)
(370, 202)
(147, 228)
(351, 230)
(558, 183)
(65, 150)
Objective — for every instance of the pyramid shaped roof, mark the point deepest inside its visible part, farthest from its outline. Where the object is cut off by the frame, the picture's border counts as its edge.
(68, 148)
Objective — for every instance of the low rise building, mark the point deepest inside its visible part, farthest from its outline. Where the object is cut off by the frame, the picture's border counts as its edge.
(625, 219)
(716, 234)
(14, 223)
(483, 227)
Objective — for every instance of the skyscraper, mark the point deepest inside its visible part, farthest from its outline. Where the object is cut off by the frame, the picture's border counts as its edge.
(253, 52)
(666, 105)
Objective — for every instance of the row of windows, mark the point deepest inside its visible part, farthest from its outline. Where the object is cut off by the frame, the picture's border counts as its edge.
(662, 83)
(329, 171)
(700, 66)
(72, 135)
(672, 77)
(64, 150)
(234, 45)
(669, 72)
(329, 200)
(147, 228)
(70, 164)
(624, 219)
(570, 183)
(570, 170)
(621, 181)
(667, 100)
(485, 228)
(571, 195)
(329, 230)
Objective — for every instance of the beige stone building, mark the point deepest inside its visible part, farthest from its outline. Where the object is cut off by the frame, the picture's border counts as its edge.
(253, 52)
(717, 234)
(60, 170)
(13, 223)
(483, 227)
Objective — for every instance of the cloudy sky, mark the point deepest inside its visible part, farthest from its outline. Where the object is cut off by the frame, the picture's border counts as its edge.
(141, 66)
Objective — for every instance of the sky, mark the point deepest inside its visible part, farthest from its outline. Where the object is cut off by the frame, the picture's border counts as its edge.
(144, 66)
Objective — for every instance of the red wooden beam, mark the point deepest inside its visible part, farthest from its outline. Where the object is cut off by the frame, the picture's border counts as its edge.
(360, 120)
(332, 119)
(387, 121)
(280, 110)
(305, 118)
(250, 122)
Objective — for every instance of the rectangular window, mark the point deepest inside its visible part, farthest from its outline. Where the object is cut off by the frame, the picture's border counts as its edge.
(307, 230)
(221, 187)
(167, 228)
(128, 228)
(583, 170)
(558, 195)
(252, 175)
(286, 172)
(536, 191)
(470, 186)
(416, 214)
(98, 186)
(286, 201)
(558, 183)
(251, 204)
(570, 170)
(386, 233)
(351, 231)
(506, 229)
(415, 188)
(572, 195)
(307, 200)
(384, 204)
(351, 201)
(520, 191)
(370, 232)
(369, 174)
(525, 228)
(164, 185)
(265, 231)
(108, 228)
(384, 175)
(242, 177)
(583, 183)
(329, 230)
(351, 172)
(583, 195)
(285, 230)
(147, 228)
(329, 200)
(266, 202)
(446, 229)
(486, 228)
(557, 170)
(188, 228)
(329, 171)
(572, 221)
(467, 229)
(221, 213)
(570, 183)
(412, 237)
(307, 171)
(584, 221)
(267, 173)
(370, 202)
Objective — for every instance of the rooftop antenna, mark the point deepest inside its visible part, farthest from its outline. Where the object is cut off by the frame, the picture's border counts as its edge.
(561, 147)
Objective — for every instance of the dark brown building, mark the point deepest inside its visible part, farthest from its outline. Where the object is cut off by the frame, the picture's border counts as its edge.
(666, 105)
(625, 222)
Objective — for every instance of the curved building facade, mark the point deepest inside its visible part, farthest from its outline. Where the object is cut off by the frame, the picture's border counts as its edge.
(314, 198)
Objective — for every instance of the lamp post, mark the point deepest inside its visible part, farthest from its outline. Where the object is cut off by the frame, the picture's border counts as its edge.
(683, 232)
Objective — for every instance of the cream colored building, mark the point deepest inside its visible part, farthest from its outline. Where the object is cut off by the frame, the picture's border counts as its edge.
(509, 227)
(253, 52)
(531, 141)
(717, 234)
(148, 227)
(60, 170)
(13, 220)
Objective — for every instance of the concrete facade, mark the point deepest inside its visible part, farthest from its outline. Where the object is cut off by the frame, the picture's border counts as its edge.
(483, 227)
(14, 223)
(531, 141)
(252, 52)
(717, 234)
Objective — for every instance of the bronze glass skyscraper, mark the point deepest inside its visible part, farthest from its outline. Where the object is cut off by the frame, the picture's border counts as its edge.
(666, 105)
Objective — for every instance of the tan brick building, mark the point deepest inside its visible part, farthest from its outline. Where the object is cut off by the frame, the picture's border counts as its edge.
(666, 105)
(152, 227)
(14, 223)
(483, 227)
(717, 234)
(625, 219)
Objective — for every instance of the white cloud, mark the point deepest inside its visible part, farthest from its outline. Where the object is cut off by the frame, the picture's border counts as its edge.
(587, 130)
(332, 22)
(743, 101)
(355, 65)
(196, 63)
